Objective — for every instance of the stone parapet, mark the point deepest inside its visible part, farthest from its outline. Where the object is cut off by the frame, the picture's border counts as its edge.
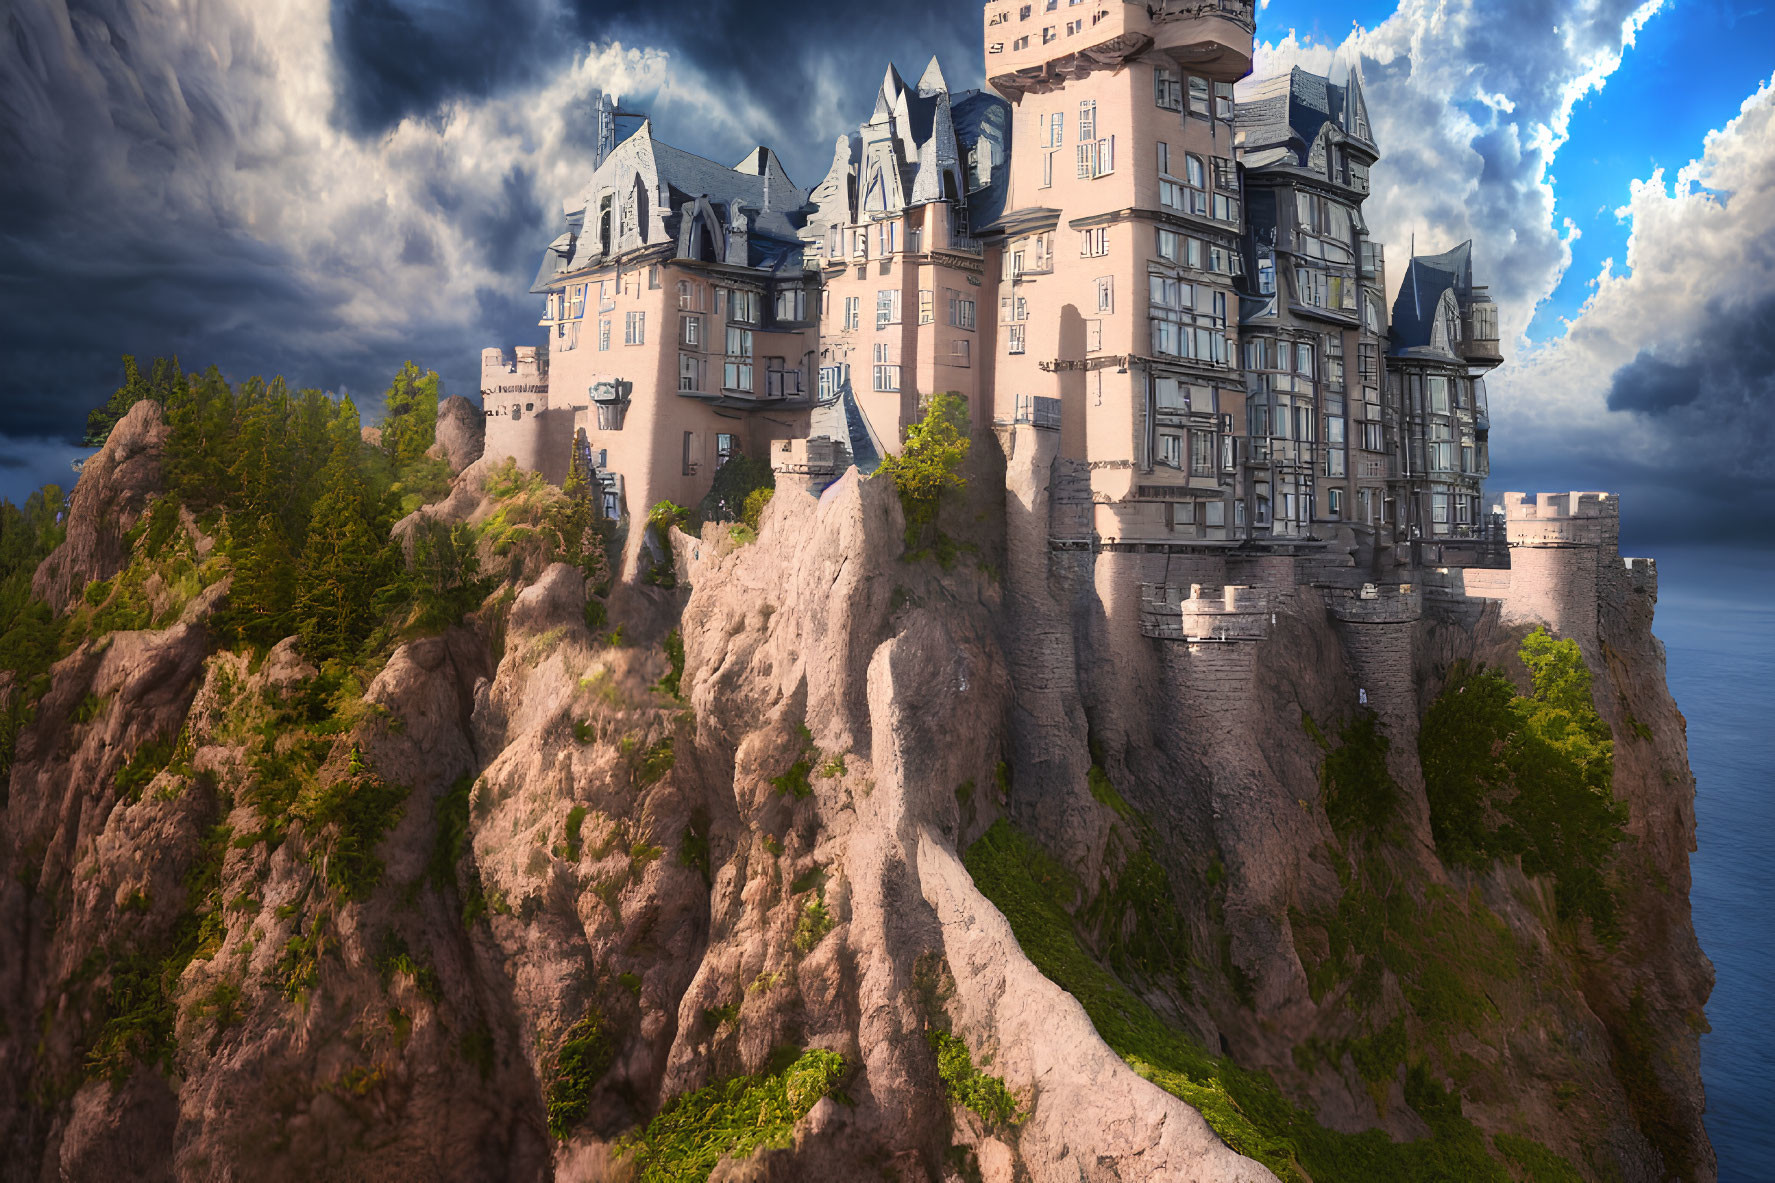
(1642, 576)
(1205, 613)
(1376, 603)
(1561, 519)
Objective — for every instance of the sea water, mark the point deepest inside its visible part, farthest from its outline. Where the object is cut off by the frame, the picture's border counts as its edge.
(1716, 617)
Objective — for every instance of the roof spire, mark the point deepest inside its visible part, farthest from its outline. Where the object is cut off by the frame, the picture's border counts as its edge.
(931, 82)
(1413, 268)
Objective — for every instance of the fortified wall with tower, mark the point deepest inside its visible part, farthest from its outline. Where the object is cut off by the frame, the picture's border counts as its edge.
(1150, 280)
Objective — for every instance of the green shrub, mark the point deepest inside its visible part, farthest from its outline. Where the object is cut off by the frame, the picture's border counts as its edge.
(575, 819)
(1528, 775)
(752, 514)
(812, 925)
(674, 675)
(736, 483)
(967, 1085)
(927, 466)
(579, 1064)
(347, 820)
(730, 1119)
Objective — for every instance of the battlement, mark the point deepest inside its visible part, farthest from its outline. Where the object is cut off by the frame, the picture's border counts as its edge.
(1561, 519)
(1208, 612)
(1375, 603)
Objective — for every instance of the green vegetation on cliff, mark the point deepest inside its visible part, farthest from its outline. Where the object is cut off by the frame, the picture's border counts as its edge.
(1530, 776)
(1244, 1108)
(730, 1119)
(927, 466)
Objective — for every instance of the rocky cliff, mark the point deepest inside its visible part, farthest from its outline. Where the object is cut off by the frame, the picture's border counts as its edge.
(827, 864)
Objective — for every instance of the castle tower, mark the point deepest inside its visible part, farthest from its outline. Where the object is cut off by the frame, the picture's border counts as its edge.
(1124, 184)
(1376, 624)
(1564, 559)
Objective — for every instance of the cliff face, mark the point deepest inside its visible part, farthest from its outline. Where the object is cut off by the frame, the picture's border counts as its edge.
(1055, 889)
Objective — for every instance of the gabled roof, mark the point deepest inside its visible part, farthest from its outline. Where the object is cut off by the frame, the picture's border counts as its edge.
(1427, 277)
(1288, 111)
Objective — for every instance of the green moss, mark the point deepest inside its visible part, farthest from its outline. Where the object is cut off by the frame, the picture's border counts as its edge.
(965, 1084)
(1105, 791)
(795, 782)
(138, 1004)
(87, 709)
(1537, 1163)
(143, 766)
(674, 675)
(347, 820)
(812, 925)
(1358, 792)
(652, 762)
(394, 959)
(1244, 1108)
(575, 820)
(730, 1119)
(833, 768)
(579, 1064)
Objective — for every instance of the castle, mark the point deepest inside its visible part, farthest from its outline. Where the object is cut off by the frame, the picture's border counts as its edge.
(1159, 292)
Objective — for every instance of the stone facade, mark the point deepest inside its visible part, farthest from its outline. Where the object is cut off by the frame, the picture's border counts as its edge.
(1165, 288)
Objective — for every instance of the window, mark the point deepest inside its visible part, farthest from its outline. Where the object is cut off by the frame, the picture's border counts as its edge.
(832, 380)
(693, 453)
(1334, 501)
(887, 372)
(1167, 88)
(1106, 294)
(1170, 245)
(1096, 157)
(1195, 193)
(690, 372)
(887, 238)
(687, 294)
(725, 446)
(1467, 458)
(1334, 460)
(1371, 437)
(1198, 96)
(1368, 363)
(887, 308)
(1052, 129)
(691, 330)
(1334, 431)
(1171, 449)
(1096, 242)
(1047, 170)
(653, 278)
(1438, 394)
(1014, 339)
(1087, 120)
(1223, 100)
(743, 307)
(604, 334)
(738, 368)
(1093, 336)
(1359, 177)
(792, 304)
(1023, 13)
(1201, 453)
(1439, 508)
(961, 352)
(853, 311)
(961, 311)
(927, 306)
(635, 329)
(1020, 43)
(1074, 27)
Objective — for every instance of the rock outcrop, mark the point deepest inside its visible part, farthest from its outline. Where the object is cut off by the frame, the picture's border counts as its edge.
(461, 433)
(109, 499)
(484, 910)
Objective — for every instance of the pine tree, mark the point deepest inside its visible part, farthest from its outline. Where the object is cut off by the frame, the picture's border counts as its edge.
(262, 598)
(410, 415)
(100, 420)
(339, 574)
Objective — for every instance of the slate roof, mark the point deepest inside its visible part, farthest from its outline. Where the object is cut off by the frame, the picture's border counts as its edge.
(1426, 278)
(981, 114)
(1286, 111)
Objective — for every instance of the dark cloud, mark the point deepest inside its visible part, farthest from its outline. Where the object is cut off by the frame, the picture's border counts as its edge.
(1727, 373)
(399, 59)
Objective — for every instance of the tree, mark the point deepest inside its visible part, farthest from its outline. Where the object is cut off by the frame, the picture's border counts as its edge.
(410, 415)
(339, 575)
(262, 597)
(582, 532)
(929, 465)
(446, 572)
(100, 420)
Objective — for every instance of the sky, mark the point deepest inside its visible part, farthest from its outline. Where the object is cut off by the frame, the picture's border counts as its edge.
(325, 189)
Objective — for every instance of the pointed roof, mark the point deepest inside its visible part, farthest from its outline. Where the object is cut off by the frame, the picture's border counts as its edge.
(1420, 294)
(1289, 111)
(931, 81)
